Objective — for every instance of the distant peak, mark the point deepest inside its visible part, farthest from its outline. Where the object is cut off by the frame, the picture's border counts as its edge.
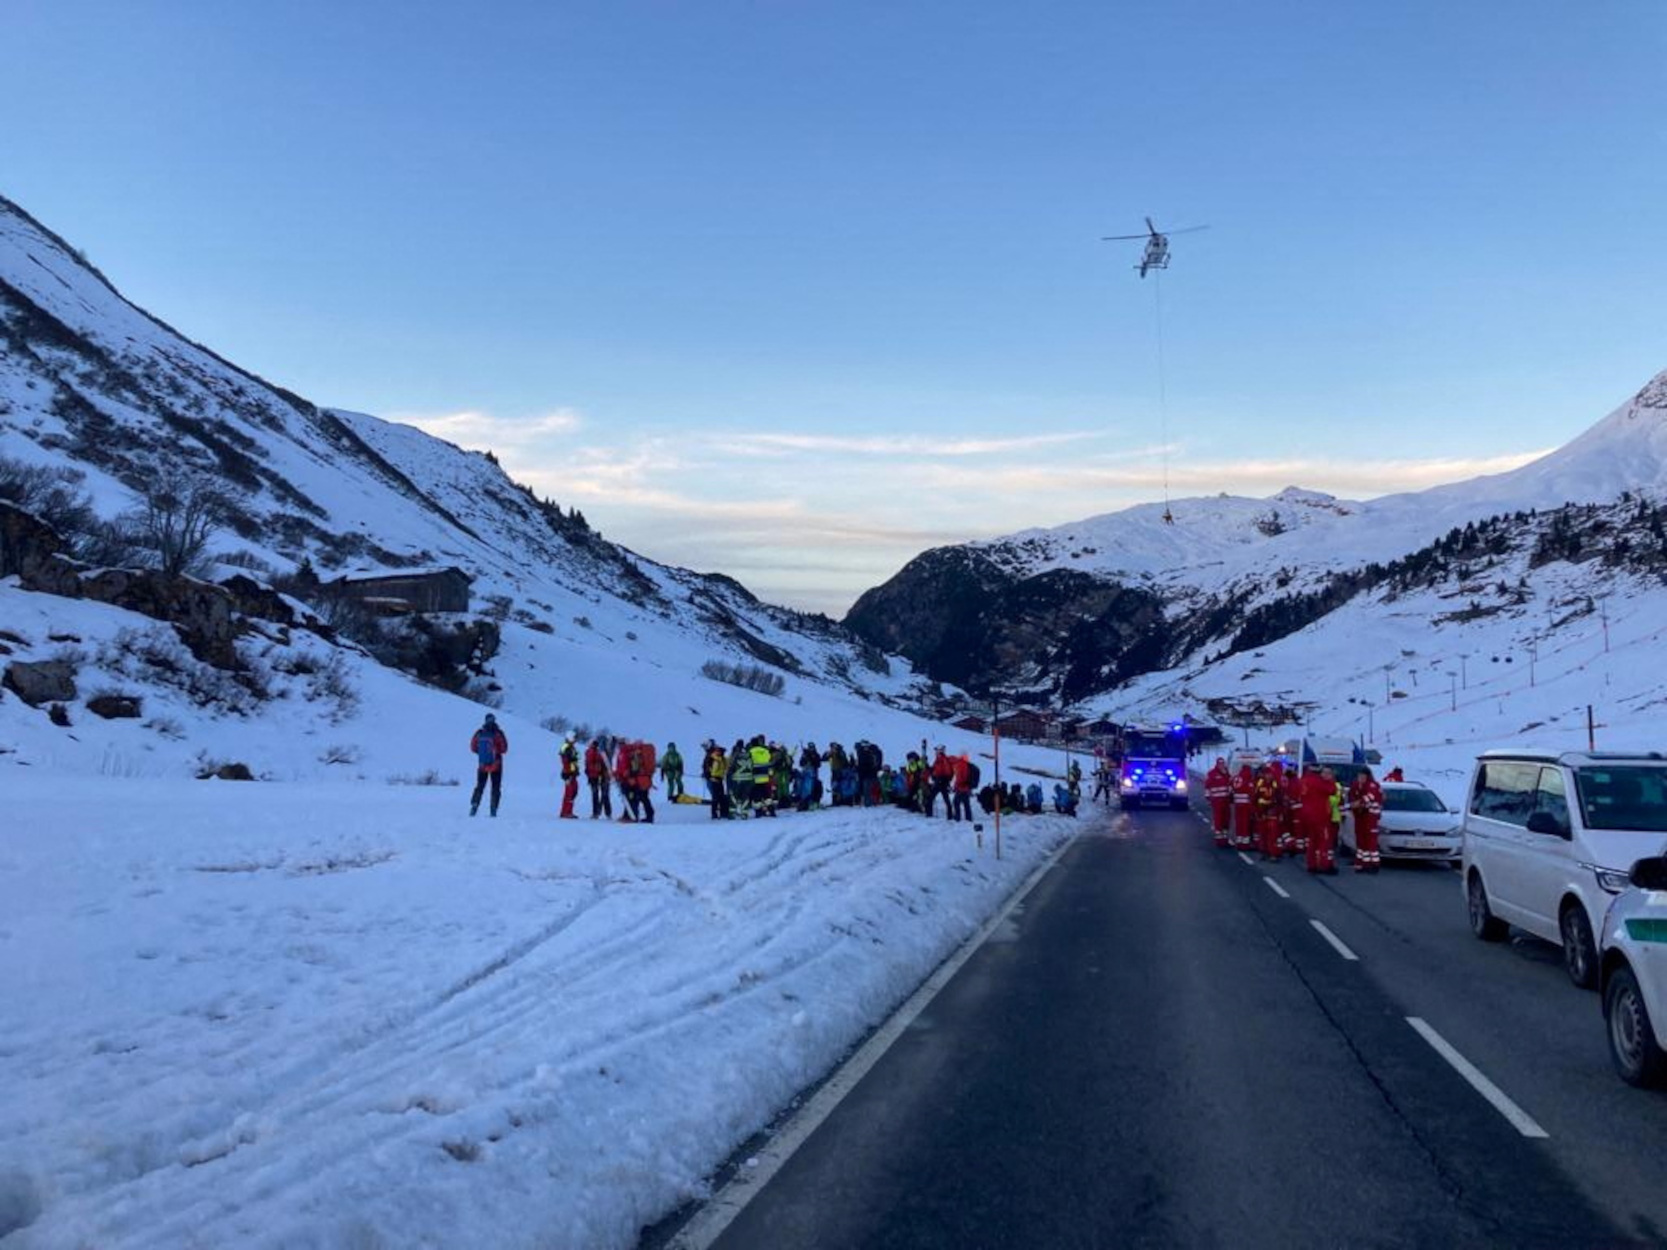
(1654, 394)
(1296, 494)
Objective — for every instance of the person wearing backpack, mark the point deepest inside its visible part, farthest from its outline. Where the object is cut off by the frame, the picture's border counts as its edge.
(490, 746)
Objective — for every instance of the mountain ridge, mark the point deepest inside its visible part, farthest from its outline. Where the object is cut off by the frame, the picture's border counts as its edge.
(1224, 556)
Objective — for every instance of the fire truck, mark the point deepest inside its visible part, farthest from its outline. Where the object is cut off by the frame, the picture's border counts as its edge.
(1154, 766)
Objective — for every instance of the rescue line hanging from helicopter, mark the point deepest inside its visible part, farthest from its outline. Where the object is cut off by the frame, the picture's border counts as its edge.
(1155, 257)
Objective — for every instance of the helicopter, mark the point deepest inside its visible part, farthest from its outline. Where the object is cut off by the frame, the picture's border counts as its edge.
(1156, 255)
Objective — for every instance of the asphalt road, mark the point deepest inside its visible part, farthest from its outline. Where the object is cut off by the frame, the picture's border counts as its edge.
(1161, 1049)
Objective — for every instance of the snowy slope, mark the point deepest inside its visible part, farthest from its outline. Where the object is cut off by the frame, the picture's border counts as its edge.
(91, 383)
(1513, 653)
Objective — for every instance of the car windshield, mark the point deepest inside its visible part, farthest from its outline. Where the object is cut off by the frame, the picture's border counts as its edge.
(1629, 796)
(1412, 801)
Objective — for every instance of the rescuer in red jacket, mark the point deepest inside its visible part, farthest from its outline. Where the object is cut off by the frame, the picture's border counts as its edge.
(601, 780)
(1366, 802)
(1270, 808)
(1244, 791)
(1318, 791)
(1290, 831)
(1218, 789)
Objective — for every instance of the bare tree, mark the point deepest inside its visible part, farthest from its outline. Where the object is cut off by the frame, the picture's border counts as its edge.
(180, 513)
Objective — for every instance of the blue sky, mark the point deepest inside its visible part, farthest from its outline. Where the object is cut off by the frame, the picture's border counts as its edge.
(794, 290)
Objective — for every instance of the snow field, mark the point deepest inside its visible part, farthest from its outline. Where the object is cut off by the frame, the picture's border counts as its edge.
(349, 1015)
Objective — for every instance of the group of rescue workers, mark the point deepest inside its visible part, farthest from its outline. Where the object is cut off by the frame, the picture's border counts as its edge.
(757, 778)
(1279, 812)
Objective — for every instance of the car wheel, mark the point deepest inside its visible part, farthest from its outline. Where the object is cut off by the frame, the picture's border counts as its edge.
(1483, 923)
(1632, 1045)
(1580, 956)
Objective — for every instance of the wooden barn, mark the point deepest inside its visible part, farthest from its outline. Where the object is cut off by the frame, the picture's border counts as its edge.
(414, 590)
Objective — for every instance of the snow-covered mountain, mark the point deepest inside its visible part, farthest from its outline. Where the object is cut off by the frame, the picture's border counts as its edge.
(1050, 610)
(94, 388)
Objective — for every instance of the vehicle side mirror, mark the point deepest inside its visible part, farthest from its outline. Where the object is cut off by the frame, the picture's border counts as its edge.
(1650, 874)
(1545, 822)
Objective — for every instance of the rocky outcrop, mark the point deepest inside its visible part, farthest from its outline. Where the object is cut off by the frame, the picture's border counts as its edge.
(962, 618)
(201, 612)
(47, 681)
(116, 706)
(32, 551)
(207, 616)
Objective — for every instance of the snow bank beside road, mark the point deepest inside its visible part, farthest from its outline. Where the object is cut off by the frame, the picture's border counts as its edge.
(273, 1014)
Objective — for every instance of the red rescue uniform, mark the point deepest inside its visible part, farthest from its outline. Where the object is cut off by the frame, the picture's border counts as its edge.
(1243, 787)
(1366, 802)
(1317, 793)
(1218, 789)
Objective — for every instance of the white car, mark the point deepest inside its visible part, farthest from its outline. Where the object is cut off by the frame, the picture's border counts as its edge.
(1634, 976)
(1549, 839)
(1415, 824)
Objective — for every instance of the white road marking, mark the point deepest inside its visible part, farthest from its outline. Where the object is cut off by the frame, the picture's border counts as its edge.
(709, 1223)
(1248, 861)
(1276, 887)
(1520, 1119)
(1336, 942)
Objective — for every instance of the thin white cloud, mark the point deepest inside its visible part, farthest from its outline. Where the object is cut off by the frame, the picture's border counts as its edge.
(1356, 477)
(484, 431)
(904, 444)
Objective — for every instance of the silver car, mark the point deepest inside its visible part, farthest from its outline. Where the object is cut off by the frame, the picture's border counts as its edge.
(1415, 824)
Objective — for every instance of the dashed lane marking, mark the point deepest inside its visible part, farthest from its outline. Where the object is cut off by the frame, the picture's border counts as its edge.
(1249, 863)
(1336, 942)
(1520, 1119)
(1276, 887)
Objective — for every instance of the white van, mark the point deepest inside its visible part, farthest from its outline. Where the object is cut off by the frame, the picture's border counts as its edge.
(1549, 838)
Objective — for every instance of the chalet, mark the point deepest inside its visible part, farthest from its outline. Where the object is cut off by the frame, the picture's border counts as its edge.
(1024, 724)
(414, 590)
(972, 724)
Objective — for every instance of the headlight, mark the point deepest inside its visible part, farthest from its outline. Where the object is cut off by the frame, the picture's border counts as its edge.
(1612, 879)
(1181, 785)
(1128, 783)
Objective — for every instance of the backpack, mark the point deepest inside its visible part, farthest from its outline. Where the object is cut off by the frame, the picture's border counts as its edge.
(486, 748)
(972, 775)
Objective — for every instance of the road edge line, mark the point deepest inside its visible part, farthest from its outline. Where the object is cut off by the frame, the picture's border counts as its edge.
(1519, 1119)
(1276, 887)
(719, 1211)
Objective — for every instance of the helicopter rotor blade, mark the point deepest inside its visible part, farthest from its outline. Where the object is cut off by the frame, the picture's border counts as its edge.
(1186, 230)
(1107, 238)
(1150, 226)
